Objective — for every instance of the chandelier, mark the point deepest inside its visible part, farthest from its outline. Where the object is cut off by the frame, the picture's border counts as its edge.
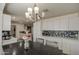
(34, 14)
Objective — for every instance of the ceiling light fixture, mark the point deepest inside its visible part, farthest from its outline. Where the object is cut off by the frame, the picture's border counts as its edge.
(34, 13)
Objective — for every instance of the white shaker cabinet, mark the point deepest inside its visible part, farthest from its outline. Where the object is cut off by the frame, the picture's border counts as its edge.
(63, 23)
(74, 47)
(2, 5)
(6, 22)
(74, 23)
(66, 46)
(1, 50)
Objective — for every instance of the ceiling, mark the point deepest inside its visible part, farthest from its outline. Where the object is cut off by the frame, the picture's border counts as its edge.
(53, 9)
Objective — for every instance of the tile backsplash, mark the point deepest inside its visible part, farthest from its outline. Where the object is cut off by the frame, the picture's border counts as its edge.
(64, 34)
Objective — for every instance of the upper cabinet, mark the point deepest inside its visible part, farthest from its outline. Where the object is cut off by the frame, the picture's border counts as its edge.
(56, 24)
(0, 29)
(63, 23)
(48, 24)
(74, 23)
(0, 21)
(6, 22)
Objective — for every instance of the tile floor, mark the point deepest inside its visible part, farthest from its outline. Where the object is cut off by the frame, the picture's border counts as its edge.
(36, 49)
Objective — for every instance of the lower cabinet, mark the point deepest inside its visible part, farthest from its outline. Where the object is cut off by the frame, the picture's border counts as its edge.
(66, 46)
(70, 47)
(74, 48)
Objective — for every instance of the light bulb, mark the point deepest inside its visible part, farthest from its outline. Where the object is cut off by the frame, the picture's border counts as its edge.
(27, 14)
(29, 10)
(36, 10)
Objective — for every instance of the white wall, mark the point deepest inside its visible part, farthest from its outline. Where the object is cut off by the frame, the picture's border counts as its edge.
(6, 22)
(66, 22)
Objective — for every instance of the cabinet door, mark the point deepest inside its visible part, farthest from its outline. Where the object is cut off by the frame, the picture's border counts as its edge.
(48, 24)
(74, 23)
(66, 46)
(57, 24)
(2, 6)
(64, 23)
(1, 50)
(6, 22)
(0, 28)
(75, 47)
